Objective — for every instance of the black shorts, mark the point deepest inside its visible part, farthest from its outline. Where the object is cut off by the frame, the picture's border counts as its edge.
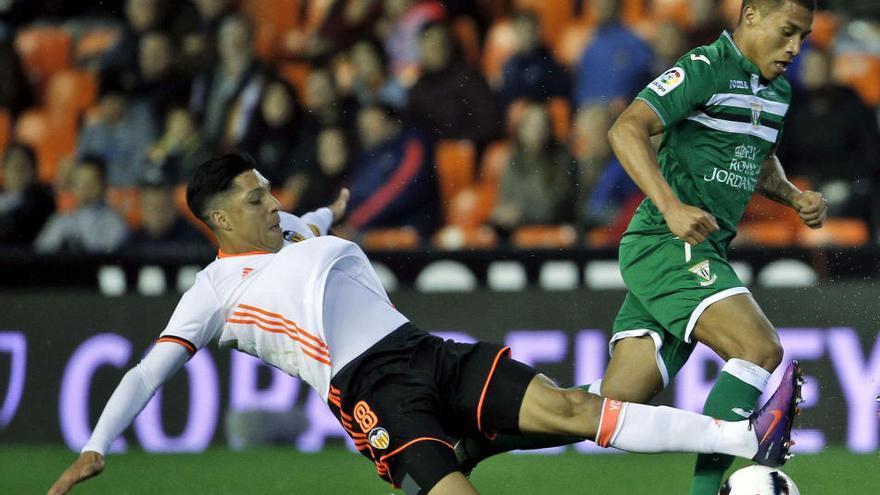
(409, 397)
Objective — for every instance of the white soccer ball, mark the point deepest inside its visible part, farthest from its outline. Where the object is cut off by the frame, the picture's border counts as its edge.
(759, 480)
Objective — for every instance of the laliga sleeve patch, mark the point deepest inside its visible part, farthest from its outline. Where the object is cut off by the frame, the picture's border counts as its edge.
(667, 81)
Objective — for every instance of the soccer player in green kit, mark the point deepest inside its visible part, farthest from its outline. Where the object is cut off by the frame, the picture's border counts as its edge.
(720, 110)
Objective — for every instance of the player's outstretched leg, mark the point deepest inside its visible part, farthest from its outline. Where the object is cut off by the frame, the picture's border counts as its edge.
(649, 429)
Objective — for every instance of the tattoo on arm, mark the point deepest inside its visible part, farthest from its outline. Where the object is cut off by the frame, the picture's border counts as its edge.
(773, 184)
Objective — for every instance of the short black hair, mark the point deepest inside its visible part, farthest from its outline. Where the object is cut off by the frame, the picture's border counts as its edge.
(214, 177)
(21, 148)
(775, 4)
(95, 161)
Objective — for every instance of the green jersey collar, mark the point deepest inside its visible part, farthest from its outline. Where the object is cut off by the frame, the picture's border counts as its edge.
(744, 61)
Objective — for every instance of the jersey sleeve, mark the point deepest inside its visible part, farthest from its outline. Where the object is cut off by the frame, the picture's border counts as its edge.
(319, 221)
(197, 318)
(682, 89)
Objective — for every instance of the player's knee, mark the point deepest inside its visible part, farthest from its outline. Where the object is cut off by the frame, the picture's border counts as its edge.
(766, 353)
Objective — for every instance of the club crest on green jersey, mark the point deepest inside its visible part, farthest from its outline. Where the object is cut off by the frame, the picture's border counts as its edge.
(756, 113)
(667, 81)
(703, 271)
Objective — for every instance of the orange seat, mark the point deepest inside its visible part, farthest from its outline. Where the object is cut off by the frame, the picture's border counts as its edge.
(560, 117)
(825, 25)
(455, 161)
(282, 14)
(452, 237)
(52, 135)
(500, 45)
(65, 201)
(571, 43)
(403, 238)
(5, 128)
(126, 202)
(472, 206)
(860, 71)
(94, 43)
(767, 233)
(553, 16)
(633, 12)
(71, 91)
(677, 11)
(495, 159)
(43, 51)
(838, 232)
(544, 237)
(296, 74)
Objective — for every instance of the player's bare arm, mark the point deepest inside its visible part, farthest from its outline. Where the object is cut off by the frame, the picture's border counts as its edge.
(630, 137)
(340, 205)
(773, 184)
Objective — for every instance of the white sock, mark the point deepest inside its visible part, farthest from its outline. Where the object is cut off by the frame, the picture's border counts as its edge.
(747, 372)
(596, 388)
(649, 429)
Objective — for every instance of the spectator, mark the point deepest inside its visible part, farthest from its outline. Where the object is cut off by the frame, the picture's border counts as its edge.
(616, 64)
(199, 44)
(140, 16)
(372, 83)
(162, 229)
(669, 45)
(532, 72)
(159, 85)
(324, 105)
(180, 149)
(315, 185)
(707, 23)
(392, 180)
(451, 100)
(603, 186)
(25, 204)
(226, 97)
(279, 139)
(93, 227)
(15, 90)
(537, 186)
(120, 135)
(401, 26)
(840, 156)
(345, 22)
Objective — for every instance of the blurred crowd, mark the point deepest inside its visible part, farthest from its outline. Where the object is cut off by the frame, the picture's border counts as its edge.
(455, 124)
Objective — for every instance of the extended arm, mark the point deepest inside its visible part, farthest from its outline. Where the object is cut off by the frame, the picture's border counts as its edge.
(630, 137)
(130, 397)
(773, 184)
(324, 218)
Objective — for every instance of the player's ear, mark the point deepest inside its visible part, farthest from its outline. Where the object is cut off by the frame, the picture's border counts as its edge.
(219, 219)
(750, 15)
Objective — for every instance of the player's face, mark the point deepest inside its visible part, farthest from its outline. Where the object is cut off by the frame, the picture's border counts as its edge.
(252, 213)
(776, 36)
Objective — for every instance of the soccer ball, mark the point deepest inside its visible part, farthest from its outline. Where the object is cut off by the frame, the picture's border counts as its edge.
(759, 480)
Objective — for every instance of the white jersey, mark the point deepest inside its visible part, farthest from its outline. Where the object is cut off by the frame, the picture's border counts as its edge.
(272, 305)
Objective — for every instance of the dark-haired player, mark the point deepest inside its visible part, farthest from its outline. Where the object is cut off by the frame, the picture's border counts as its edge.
(312, 306)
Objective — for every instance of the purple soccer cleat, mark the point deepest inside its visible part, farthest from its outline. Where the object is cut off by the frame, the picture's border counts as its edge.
(772, 423)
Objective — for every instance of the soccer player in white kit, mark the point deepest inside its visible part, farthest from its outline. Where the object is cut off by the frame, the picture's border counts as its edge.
(311, 305)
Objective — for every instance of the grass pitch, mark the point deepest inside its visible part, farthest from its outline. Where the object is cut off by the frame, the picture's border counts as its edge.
(29, 469)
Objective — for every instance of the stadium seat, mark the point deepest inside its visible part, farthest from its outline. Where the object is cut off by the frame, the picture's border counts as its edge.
(787, 273)
(456, 237)
(499, 46)
(5, 128)
(472, 206)
(93, 43)
(633, 12)
(603, 274)
(677, 11)
(65, 201)
(860, 71)
(43, 51)
(767, 233)
(71, 91)
(446, 276)
(455, 161)
(558, 275)
(296, 74)
(837, 232)
(825, 25)
(554, 16)
(52, 135)
(560, 117)
(544, 237)
(126, 202)
(273, 19)
(744, 271)
(403, 238)
(506, 276)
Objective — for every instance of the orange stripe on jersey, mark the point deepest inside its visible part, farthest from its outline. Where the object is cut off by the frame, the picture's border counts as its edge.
(320, 358)
(415, 440)
(292, 331)
(190, 348)
(608, 421)
(221, 254)
(316, 340)
(503, 352)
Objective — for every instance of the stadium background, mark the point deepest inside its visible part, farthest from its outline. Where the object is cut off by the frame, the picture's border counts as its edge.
(73, 322)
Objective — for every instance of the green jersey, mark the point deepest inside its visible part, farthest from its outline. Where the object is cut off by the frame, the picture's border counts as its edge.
(721, 119)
